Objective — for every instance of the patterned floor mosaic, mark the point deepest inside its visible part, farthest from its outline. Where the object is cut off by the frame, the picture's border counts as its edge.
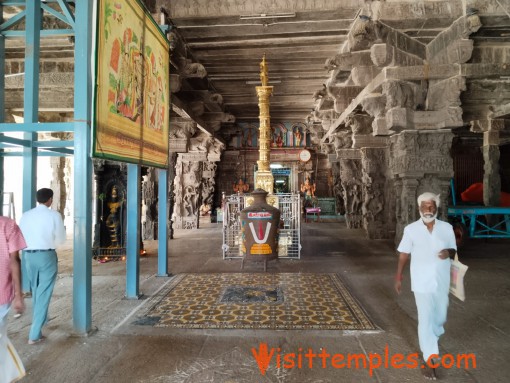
(283, 301)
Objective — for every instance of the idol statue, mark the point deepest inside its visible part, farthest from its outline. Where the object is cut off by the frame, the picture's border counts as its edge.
(113, 219)
(241, 187)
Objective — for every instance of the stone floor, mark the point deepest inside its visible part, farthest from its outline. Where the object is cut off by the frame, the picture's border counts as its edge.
(121, 351)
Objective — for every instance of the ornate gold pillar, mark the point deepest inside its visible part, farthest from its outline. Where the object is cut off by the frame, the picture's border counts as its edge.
(264, 177)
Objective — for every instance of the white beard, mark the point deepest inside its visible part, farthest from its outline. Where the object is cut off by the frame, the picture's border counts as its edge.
(428, 218)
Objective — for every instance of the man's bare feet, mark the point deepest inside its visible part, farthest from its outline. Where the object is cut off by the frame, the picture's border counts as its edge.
(428, 372)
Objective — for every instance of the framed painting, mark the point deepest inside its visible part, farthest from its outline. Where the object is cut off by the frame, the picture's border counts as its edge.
(131, 98)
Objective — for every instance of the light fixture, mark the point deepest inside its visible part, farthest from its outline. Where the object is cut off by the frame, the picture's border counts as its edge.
(267, 16)
(275, 166)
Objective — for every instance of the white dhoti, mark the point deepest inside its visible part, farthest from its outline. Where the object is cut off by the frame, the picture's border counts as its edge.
(12, 368)
(432, 310)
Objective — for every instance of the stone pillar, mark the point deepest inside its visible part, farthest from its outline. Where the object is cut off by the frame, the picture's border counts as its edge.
(58, 184)
(187, 190)
(420, 161)
(208, 184)
(491, 177)
(350, 174)
(149, 211)
(375, 207)
(337, 186)
(172, 164)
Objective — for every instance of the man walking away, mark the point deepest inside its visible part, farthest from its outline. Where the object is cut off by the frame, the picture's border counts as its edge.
(43, 230)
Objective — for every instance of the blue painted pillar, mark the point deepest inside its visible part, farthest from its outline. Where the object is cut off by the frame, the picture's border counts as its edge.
(133, 231)
(162, 223)
(82, 255)
(31, 110)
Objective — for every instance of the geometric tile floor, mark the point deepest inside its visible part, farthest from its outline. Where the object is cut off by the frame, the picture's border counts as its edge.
(277, 301)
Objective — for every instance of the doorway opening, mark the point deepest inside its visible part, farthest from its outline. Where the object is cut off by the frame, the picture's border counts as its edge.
(282, 180)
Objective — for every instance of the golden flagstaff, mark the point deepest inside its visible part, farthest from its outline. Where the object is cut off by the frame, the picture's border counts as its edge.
(264, 177)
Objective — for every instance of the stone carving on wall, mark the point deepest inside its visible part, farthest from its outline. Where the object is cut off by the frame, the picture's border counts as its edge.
(215, 150)
(175, 83)
(342, 140)
(472, 23)
(189, 69)
(184, 129)
(350, 174)
(375, 105)
(208, 183)
(197, 108)
(201, 143)
(321, 93)
(215, 98)
(374, 168)
(399, 94)
(381, 54)
(187, 191)
(362, 34)
(181, 130)
(337, 188)
(445, 93)
(359, 123)
(321, 115)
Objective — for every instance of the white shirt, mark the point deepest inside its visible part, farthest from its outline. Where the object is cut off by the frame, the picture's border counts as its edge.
(428, 271)
(42, 228)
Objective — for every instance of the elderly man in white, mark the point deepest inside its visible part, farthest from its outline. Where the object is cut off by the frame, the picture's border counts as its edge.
(431, 243)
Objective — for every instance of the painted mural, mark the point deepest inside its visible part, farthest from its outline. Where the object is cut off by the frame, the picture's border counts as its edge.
(283, 135)
(132, 89)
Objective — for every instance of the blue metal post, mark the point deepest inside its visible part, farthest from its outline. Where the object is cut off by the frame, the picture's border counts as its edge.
(133, 231)
(82, 257)
(31, 99)
(31, 110)
(162, 223)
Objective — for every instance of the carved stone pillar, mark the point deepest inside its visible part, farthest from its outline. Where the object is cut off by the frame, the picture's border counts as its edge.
(337, 187)
(187, 190)
(491, 141)
(208, 184)
(149, 211)
(420, 161)
(491, 178)
(58, 183)
(350, 171)
(172, 164)
(375, 208)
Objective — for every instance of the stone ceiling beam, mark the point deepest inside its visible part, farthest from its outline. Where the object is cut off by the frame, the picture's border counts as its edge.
(265, 41)
(277, 53)
(208, 32)
(421, 73)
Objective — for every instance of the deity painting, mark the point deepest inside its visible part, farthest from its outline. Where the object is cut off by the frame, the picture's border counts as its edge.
(132, 102)
(279, 136)
(250, 136)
